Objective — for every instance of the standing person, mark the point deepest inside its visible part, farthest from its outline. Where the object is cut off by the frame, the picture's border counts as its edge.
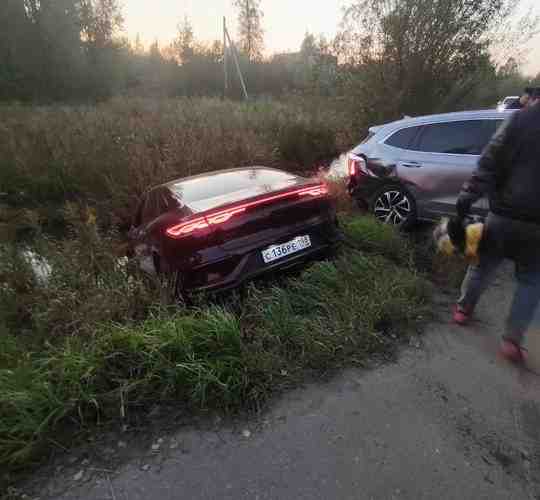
(509, 174)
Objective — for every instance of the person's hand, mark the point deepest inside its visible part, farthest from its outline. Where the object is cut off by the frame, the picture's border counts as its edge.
(464, 204)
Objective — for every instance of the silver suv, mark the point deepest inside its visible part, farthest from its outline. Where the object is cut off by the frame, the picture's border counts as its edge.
(414, 168)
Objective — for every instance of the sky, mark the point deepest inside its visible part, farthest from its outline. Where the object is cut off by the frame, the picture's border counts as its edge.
(285, 22)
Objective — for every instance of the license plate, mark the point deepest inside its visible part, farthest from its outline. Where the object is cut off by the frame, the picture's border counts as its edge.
(277, 252)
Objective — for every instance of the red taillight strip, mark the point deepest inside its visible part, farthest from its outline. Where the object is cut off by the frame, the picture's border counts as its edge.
(353, 166)
(188, 227)
(225, 215)
(217, 218)
(316, 191)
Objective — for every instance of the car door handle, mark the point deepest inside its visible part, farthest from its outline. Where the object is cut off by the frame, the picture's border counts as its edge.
(411, 164)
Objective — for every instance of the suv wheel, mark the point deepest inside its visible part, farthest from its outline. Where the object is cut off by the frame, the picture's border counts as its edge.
(394, 205)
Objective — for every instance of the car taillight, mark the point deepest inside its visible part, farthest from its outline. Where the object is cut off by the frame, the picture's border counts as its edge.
(316, 191)
(213, 219)
(353, 166)
(225, 215)
(216, 218)
(186, 228)
(358, 166)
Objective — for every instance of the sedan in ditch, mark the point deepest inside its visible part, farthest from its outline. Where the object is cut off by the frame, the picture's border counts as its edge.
(217, 230)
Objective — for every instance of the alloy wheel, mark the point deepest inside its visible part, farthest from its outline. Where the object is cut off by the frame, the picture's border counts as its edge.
(393, 207)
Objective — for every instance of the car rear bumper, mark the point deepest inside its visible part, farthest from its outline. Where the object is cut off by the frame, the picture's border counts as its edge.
(235, 267)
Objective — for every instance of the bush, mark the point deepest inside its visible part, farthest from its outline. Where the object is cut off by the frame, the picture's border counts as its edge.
(307, 143)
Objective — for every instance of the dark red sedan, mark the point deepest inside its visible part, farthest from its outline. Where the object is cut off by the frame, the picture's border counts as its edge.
(217, 230)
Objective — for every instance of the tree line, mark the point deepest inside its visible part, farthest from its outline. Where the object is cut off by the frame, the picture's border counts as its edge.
(58, 49)
(389, 56)
(73, 50)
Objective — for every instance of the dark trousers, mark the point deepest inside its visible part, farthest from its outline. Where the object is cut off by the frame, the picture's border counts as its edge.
(520, 242)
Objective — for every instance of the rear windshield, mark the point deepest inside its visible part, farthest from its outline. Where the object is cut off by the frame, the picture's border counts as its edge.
(206, 192)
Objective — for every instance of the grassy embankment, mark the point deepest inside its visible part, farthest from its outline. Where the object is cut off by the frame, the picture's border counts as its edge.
(99, 339)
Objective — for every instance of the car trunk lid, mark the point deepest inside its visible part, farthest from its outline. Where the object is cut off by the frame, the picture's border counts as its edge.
(249, 207)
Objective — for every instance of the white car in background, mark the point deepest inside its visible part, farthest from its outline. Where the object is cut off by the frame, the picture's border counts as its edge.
(506, 102)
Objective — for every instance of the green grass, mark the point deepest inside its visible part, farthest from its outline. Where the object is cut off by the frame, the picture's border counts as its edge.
(364, 233)
(230, 356)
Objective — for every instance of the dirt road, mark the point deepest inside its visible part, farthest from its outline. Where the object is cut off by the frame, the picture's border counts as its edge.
(446, 421)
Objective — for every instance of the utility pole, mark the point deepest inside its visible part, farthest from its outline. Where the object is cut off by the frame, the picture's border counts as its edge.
(236, 61)
(225, 61)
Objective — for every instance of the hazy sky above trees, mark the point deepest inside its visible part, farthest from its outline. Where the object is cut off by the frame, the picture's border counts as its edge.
(285, 21)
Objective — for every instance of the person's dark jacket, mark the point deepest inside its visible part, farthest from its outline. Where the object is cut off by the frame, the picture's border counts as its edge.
(508, 171)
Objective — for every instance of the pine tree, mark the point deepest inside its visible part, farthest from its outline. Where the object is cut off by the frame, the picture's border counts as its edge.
(184, 42)
(138, 46)
(100, 20)
(250, 33)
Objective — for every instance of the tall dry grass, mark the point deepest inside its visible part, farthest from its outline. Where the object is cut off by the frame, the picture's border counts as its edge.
(110, 153)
